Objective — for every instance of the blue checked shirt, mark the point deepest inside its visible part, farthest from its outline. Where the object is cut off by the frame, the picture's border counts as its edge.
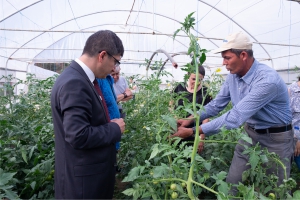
(259, 98)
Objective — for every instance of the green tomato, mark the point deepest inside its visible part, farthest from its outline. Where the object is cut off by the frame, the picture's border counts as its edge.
(183, 184)
(151, 173)
(173, 186)
(174, 195)
(272, 196)
(49, 178)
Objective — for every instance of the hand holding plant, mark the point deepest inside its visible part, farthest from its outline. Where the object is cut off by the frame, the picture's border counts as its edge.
(183, 132)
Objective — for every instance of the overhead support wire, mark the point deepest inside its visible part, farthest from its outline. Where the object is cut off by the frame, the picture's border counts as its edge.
(75, 18)
(20, 10)
(85, 16)
(241, 28)
(13, 70)
(130, 13)
(281, 56)
(146, 12)
(144, 33)
(173, 54)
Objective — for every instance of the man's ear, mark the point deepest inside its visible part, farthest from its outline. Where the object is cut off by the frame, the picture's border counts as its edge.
(243, 55)
(101, 56)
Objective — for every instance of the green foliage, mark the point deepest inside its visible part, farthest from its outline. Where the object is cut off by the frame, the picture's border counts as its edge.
(27, 139)
(6, 182)
(151, 161)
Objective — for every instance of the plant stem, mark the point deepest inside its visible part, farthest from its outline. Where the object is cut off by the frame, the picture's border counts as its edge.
(169, 179)
(205, 187)
(283, 167)
(196, 142)
(218, 141)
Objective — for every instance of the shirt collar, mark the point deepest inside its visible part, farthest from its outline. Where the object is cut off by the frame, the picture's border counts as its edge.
(86, 69)
(250, 74)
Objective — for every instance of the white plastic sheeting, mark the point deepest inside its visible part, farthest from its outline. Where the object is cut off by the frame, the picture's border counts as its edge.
(54, 31)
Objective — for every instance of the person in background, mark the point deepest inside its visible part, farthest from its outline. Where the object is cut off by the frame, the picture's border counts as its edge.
(260, 101)
(132, 85)
(107, 88)
(85, 137)
(187, 91)
(121, 89)
(294, 92)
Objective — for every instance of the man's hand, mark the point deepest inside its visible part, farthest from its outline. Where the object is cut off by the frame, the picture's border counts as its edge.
(201, 144)
(128, 92)
(120, 122)
(129, 95)
(184, 122)
(297, 149)
(183, 132)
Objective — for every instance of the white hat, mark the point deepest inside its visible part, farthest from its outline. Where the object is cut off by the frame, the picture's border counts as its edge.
(235, 41)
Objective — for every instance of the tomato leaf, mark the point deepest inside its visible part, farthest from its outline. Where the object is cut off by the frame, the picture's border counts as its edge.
(264, 158)
(31, 151)
(246, 138)
(221, 196)
(222, 175)
(250, 194)
(267, 189)
(23, 152)
(262, 197)
(133, 174)
(171, 121)
(10, 194)
(5, 177)
(33, 185)
(223, 187)
(202, 58)
(154, 152)
(189, 111)
(128, 192)
(296, 194)
(253, 160)
(207, 166)
(169, 152)
(159, 171)
(175, 33)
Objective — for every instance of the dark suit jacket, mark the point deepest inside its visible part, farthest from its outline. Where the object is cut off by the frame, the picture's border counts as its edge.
(84, 141)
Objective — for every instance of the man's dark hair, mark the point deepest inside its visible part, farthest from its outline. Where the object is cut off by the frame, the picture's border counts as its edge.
(103, 40)
(237, 52)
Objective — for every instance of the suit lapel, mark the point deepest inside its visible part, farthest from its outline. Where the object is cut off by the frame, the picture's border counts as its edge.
(78, 68)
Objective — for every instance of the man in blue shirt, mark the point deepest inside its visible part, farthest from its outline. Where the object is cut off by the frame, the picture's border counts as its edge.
(260, 101)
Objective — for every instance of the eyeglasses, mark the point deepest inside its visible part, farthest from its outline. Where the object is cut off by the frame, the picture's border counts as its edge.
(117, 63)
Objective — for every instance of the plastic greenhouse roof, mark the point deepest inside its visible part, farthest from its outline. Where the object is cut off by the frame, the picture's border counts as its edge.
(55, 31)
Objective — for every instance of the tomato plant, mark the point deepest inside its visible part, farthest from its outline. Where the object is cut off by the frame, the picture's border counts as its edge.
(152, 162)
(26, 140)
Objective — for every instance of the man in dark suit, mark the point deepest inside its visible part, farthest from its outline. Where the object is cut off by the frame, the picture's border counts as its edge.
(85, 137)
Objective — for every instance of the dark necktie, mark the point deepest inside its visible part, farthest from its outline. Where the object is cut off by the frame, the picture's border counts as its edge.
(96, 86)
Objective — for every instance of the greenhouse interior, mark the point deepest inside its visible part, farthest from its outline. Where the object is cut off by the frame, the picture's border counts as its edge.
(234, 136)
